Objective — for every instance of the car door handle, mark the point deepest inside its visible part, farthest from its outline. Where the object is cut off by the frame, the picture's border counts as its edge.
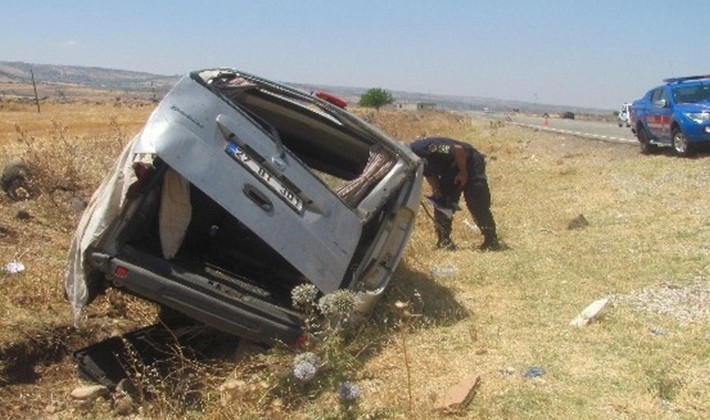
(257, 197)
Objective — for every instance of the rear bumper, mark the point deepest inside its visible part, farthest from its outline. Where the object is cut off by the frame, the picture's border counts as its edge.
(199, 297)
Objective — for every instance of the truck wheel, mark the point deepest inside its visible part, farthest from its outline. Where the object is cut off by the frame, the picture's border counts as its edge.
(680, 144)
(646, 147)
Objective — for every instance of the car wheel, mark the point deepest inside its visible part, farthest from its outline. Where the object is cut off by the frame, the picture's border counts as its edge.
(680, 144)
(646, 147)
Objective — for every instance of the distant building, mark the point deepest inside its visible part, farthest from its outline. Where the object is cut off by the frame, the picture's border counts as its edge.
(414, 106)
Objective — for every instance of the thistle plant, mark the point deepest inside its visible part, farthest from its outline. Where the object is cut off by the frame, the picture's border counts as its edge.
(305, 366)
(349, 394)
(304, 371)
(348, 391)
(326, 319)
(336, 307)
(304, 298)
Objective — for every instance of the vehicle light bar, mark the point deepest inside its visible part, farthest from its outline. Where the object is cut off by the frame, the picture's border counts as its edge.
(682, 79)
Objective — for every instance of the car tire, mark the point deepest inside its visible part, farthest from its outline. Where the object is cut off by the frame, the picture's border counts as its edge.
(680, 144)
(646, 147)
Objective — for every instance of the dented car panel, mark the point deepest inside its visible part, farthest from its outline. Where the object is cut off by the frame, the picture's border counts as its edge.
(319, 236)
(237, 190)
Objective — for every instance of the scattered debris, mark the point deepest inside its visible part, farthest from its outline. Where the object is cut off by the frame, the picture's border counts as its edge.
(14, 267)
(23, 215)
(509, 371)
(459, 396)
(589, 313)
(658, 331)
(472, 226)
(51, 408)
(534, 372)
(579, 222)
(444, 271)
(17, 181)
(89, 392)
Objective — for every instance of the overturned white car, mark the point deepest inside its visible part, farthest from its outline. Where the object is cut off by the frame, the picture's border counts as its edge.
(237, 190)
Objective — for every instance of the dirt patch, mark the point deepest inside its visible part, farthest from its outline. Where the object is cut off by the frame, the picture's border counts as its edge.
(684, 303)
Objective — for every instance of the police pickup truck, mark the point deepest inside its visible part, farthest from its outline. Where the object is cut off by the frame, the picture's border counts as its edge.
(675, 114)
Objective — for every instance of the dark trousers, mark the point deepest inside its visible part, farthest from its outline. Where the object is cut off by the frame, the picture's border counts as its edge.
(478, 202)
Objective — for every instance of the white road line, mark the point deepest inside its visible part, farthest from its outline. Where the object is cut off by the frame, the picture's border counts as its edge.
(575, 133)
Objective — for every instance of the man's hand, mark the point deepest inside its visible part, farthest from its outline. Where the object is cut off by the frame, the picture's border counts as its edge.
(462, 165)
(461, 179)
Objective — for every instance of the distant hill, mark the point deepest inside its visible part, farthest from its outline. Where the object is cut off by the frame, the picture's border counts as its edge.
(95, 77)
(457, 103)
(140, 84)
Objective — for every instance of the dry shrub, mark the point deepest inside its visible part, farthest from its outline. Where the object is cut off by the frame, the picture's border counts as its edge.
(407, 125)
(170, 386)
(65, 163)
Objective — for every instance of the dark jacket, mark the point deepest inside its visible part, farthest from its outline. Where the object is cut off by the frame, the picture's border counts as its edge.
(438, 156)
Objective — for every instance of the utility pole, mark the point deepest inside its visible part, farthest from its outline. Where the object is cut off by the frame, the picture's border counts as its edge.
(34, 86)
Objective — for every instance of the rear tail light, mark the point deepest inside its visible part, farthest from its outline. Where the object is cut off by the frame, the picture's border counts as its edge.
(302, 341)
(121, 272)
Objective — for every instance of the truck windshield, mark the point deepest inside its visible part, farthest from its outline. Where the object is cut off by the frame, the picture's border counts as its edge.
(692, 94)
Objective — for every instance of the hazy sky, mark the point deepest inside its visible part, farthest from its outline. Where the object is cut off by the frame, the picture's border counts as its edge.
(595, 53)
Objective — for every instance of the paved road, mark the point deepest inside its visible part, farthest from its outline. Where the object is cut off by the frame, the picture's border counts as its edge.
(588, 129)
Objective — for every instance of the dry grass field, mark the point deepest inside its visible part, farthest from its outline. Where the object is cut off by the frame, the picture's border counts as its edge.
(500, 316)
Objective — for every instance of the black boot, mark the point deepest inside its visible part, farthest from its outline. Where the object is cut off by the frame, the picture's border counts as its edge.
(443, 230)
(447, 244)
(490, 245)
(490, 241)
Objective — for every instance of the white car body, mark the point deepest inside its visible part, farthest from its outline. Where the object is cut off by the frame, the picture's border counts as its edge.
(239, 189)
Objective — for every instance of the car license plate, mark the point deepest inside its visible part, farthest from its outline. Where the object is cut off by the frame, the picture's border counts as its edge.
(269, 179)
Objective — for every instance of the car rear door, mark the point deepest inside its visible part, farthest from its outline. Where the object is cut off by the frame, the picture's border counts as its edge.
(221, 151)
